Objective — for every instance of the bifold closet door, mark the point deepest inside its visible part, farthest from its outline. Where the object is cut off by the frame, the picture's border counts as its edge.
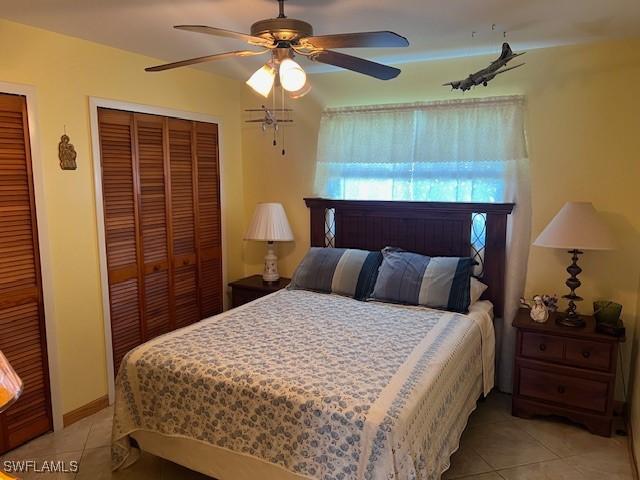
(122, 232)
(155, 266)
(184, 221)
(22, 329)
(161, 199)
(209, 222)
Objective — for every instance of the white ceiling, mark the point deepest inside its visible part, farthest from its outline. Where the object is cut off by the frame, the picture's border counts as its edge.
(435, 28)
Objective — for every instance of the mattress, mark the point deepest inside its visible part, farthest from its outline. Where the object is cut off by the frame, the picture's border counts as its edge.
(306, 385)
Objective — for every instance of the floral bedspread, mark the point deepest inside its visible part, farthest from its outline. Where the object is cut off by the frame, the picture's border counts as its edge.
(321, 385)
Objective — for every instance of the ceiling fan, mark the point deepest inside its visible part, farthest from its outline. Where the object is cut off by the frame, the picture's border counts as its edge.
(285, 37)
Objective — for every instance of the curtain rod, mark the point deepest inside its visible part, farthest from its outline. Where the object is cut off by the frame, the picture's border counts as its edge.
(392, 107)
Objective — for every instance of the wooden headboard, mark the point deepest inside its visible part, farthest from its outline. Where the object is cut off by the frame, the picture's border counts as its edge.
(429, 228)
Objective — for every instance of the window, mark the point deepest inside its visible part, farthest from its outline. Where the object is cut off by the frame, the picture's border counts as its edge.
(454, 151)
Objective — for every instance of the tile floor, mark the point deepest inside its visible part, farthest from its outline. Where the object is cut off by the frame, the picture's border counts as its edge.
(495, 446)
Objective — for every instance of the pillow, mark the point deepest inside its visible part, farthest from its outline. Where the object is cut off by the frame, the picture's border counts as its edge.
(413, 279)
(476, 290)
(347, 272)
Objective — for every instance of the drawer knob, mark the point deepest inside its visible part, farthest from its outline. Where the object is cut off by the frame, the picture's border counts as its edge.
(542, 347)
(586, 354)
(561, 389)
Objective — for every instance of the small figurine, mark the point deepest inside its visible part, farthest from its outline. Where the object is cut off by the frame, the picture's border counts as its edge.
(542, 305)
(539, 312)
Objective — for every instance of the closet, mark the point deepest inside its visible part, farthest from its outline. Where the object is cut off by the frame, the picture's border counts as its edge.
(22, 328)
(161, 200)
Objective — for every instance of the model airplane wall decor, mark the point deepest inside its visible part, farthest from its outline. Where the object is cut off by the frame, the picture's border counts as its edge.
(484, 76)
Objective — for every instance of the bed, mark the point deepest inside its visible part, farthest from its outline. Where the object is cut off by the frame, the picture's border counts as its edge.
(304, 385)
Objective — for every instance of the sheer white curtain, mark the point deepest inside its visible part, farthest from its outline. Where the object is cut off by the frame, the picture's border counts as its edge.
(461, 150)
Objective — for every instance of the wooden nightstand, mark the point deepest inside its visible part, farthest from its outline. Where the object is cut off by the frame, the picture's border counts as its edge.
(248, 289)
(564, 371)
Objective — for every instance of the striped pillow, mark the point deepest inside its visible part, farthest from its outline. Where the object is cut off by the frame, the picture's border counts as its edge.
(413, 279)
(347, 272)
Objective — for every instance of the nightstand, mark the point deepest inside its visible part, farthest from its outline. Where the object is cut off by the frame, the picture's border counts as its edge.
(565, 371)
(248, 289)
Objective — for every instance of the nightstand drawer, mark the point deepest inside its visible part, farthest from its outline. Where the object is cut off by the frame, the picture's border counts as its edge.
(588, 354)
(564, 389)
(543, 347)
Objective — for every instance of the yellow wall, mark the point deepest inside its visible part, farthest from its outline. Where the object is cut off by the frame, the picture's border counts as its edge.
(583, 127)
(66, 72)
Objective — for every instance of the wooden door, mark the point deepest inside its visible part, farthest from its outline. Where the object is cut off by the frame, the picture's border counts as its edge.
(122, 233)
(22, 328)
(209, 223)
(154, 265)
(183, 171)
(162, 223)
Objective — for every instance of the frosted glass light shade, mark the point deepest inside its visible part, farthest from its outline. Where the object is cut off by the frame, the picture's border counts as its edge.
(292, 76)
(576, 226)
(262, 80)
(10, 384)
(269, 224)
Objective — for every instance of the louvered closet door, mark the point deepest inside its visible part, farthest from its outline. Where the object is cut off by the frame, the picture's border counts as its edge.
(22, 331)
(120, 204)
(183, 219)
(209, 222)
(157, 291)
(162, 222)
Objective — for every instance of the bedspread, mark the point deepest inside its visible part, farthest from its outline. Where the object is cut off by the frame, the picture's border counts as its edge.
(321, 385)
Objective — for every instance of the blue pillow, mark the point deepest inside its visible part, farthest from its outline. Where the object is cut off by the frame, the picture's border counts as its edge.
(413, 279)
(348, 272)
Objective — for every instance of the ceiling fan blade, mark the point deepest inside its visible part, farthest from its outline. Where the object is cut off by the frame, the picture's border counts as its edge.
(221, 32)
(206, 58)
(356, 64)
(381, 39)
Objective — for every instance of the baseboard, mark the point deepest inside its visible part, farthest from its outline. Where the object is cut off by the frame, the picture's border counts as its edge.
(85, 411)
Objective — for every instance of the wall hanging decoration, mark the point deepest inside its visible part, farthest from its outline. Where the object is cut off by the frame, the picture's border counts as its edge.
(484, 76)
(67, 154)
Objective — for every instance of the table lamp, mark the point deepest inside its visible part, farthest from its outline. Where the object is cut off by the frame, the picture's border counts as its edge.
(269, 224)
(576, 227)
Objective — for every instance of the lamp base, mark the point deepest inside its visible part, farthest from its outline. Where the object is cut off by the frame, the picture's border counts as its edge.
(569, 321)
(572, 319)
(270, 273)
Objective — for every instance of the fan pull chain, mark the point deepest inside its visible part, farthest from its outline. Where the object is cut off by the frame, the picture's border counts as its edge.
(273, 109)
(284, 110)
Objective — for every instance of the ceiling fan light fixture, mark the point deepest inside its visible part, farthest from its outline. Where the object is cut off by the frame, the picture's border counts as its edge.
(262, 79)
(292, 76)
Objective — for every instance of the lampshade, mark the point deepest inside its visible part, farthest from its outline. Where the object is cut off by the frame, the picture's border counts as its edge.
(292, 76)
(10, 384)
(576, 226)
(269, 223)
(262, 79)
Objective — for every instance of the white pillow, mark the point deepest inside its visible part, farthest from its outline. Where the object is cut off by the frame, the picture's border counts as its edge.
(476, 289)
